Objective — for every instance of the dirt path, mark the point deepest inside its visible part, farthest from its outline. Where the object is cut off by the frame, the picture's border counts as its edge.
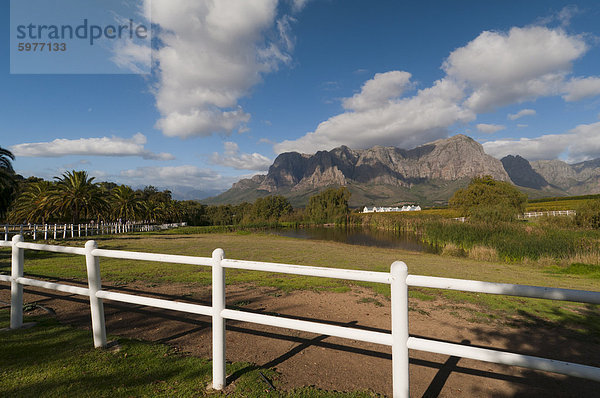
(303, 359)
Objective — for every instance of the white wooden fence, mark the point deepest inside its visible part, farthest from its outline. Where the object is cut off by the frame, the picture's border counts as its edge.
(548, 213)
(398, 278)
(535, 214)
(66, 231)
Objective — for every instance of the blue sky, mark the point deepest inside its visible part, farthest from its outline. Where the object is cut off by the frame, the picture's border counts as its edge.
(233, 83)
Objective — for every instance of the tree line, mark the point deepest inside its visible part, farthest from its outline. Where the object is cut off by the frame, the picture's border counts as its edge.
(76, 197)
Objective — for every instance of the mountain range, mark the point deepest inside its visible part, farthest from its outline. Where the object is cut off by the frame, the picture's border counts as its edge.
(428, 174)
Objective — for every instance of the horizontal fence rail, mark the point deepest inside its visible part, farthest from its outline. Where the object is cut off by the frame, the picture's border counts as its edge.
(398, 278)
(552, 213)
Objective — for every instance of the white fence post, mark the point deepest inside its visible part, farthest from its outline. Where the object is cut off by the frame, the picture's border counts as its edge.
(45, 231)
(399, 309)
(94, 284)
(6, 232)
(218, 322)
(34, 231)
(16, 289)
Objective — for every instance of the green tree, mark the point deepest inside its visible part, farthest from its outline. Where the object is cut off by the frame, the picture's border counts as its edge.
(330, 205)
(220, 215)
(77, 195)
(35, 203)
(7, 180)
(269, 209)
(194, 213)
(125, 204)
(489, 200)
(588, 214)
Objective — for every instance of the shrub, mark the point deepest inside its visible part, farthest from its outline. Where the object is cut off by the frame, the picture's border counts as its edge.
(488, 200)
(588, 214)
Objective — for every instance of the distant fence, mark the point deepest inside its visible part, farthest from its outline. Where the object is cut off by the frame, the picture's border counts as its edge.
(66, 231)
(548, 213)
(534, 214)
(398, 278)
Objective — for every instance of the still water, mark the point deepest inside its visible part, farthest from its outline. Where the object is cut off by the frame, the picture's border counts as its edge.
(360, 236)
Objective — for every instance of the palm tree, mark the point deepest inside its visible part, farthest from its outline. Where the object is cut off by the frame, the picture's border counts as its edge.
(35, 204)
(77, 195)
(7, 180)
(126, 203)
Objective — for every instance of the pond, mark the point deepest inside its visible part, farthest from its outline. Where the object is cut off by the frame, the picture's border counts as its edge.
(360, 236)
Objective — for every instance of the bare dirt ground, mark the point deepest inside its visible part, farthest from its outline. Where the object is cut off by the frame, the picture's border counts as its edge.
(303, 359)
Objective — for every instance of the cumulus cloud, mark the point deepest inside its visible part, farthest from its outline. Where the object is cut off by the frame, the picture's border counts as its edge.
(186, 175)
(493, 70)
(379, 91)
(104, 146)
(580, 88)
(539, 148)
(241, 161)
(579, 144)
(521, 113)
(489, 128)
(404, 122)
(522, 64)
(211, 54)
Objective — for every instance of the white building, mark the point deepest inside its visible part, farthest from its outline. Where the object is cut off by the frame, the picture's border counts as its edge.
(376, 209)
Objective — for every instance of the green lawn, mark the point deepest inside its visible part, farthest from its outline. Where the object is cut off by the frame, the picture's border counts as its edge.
(266, 247)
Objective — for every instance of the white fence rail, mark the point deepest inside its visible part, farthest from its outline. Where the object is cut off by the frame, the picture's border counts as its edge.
(554, 213)
(398, 278)
(534, 214)
(66, 231)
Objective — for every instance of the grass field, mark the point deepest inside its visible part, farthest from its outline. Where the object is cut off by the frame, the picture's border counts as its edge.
(272, 248)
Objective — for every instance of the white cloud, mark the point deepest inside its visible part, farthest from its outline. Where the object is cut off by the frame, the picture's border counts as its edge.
(493, 70)
(579, 88)
(187, 175)
(521, 113)
(521, 126)
(104, 146)
(241, 161)
(212, 53)
(544, 147)
(585, 143)
(298, 5)
(133, 54)
(579, 144)
(522, 64)
(489, 128)
(405, 122)
(379, 91)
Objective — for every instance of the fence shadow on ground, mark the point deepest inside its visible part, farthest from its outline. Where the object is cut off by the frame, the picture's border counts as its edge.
(572, 337)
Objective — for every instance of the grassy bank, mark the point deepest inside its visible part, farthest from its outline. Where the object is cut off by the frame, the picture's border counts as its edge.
(551, 240)
(65, 364)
